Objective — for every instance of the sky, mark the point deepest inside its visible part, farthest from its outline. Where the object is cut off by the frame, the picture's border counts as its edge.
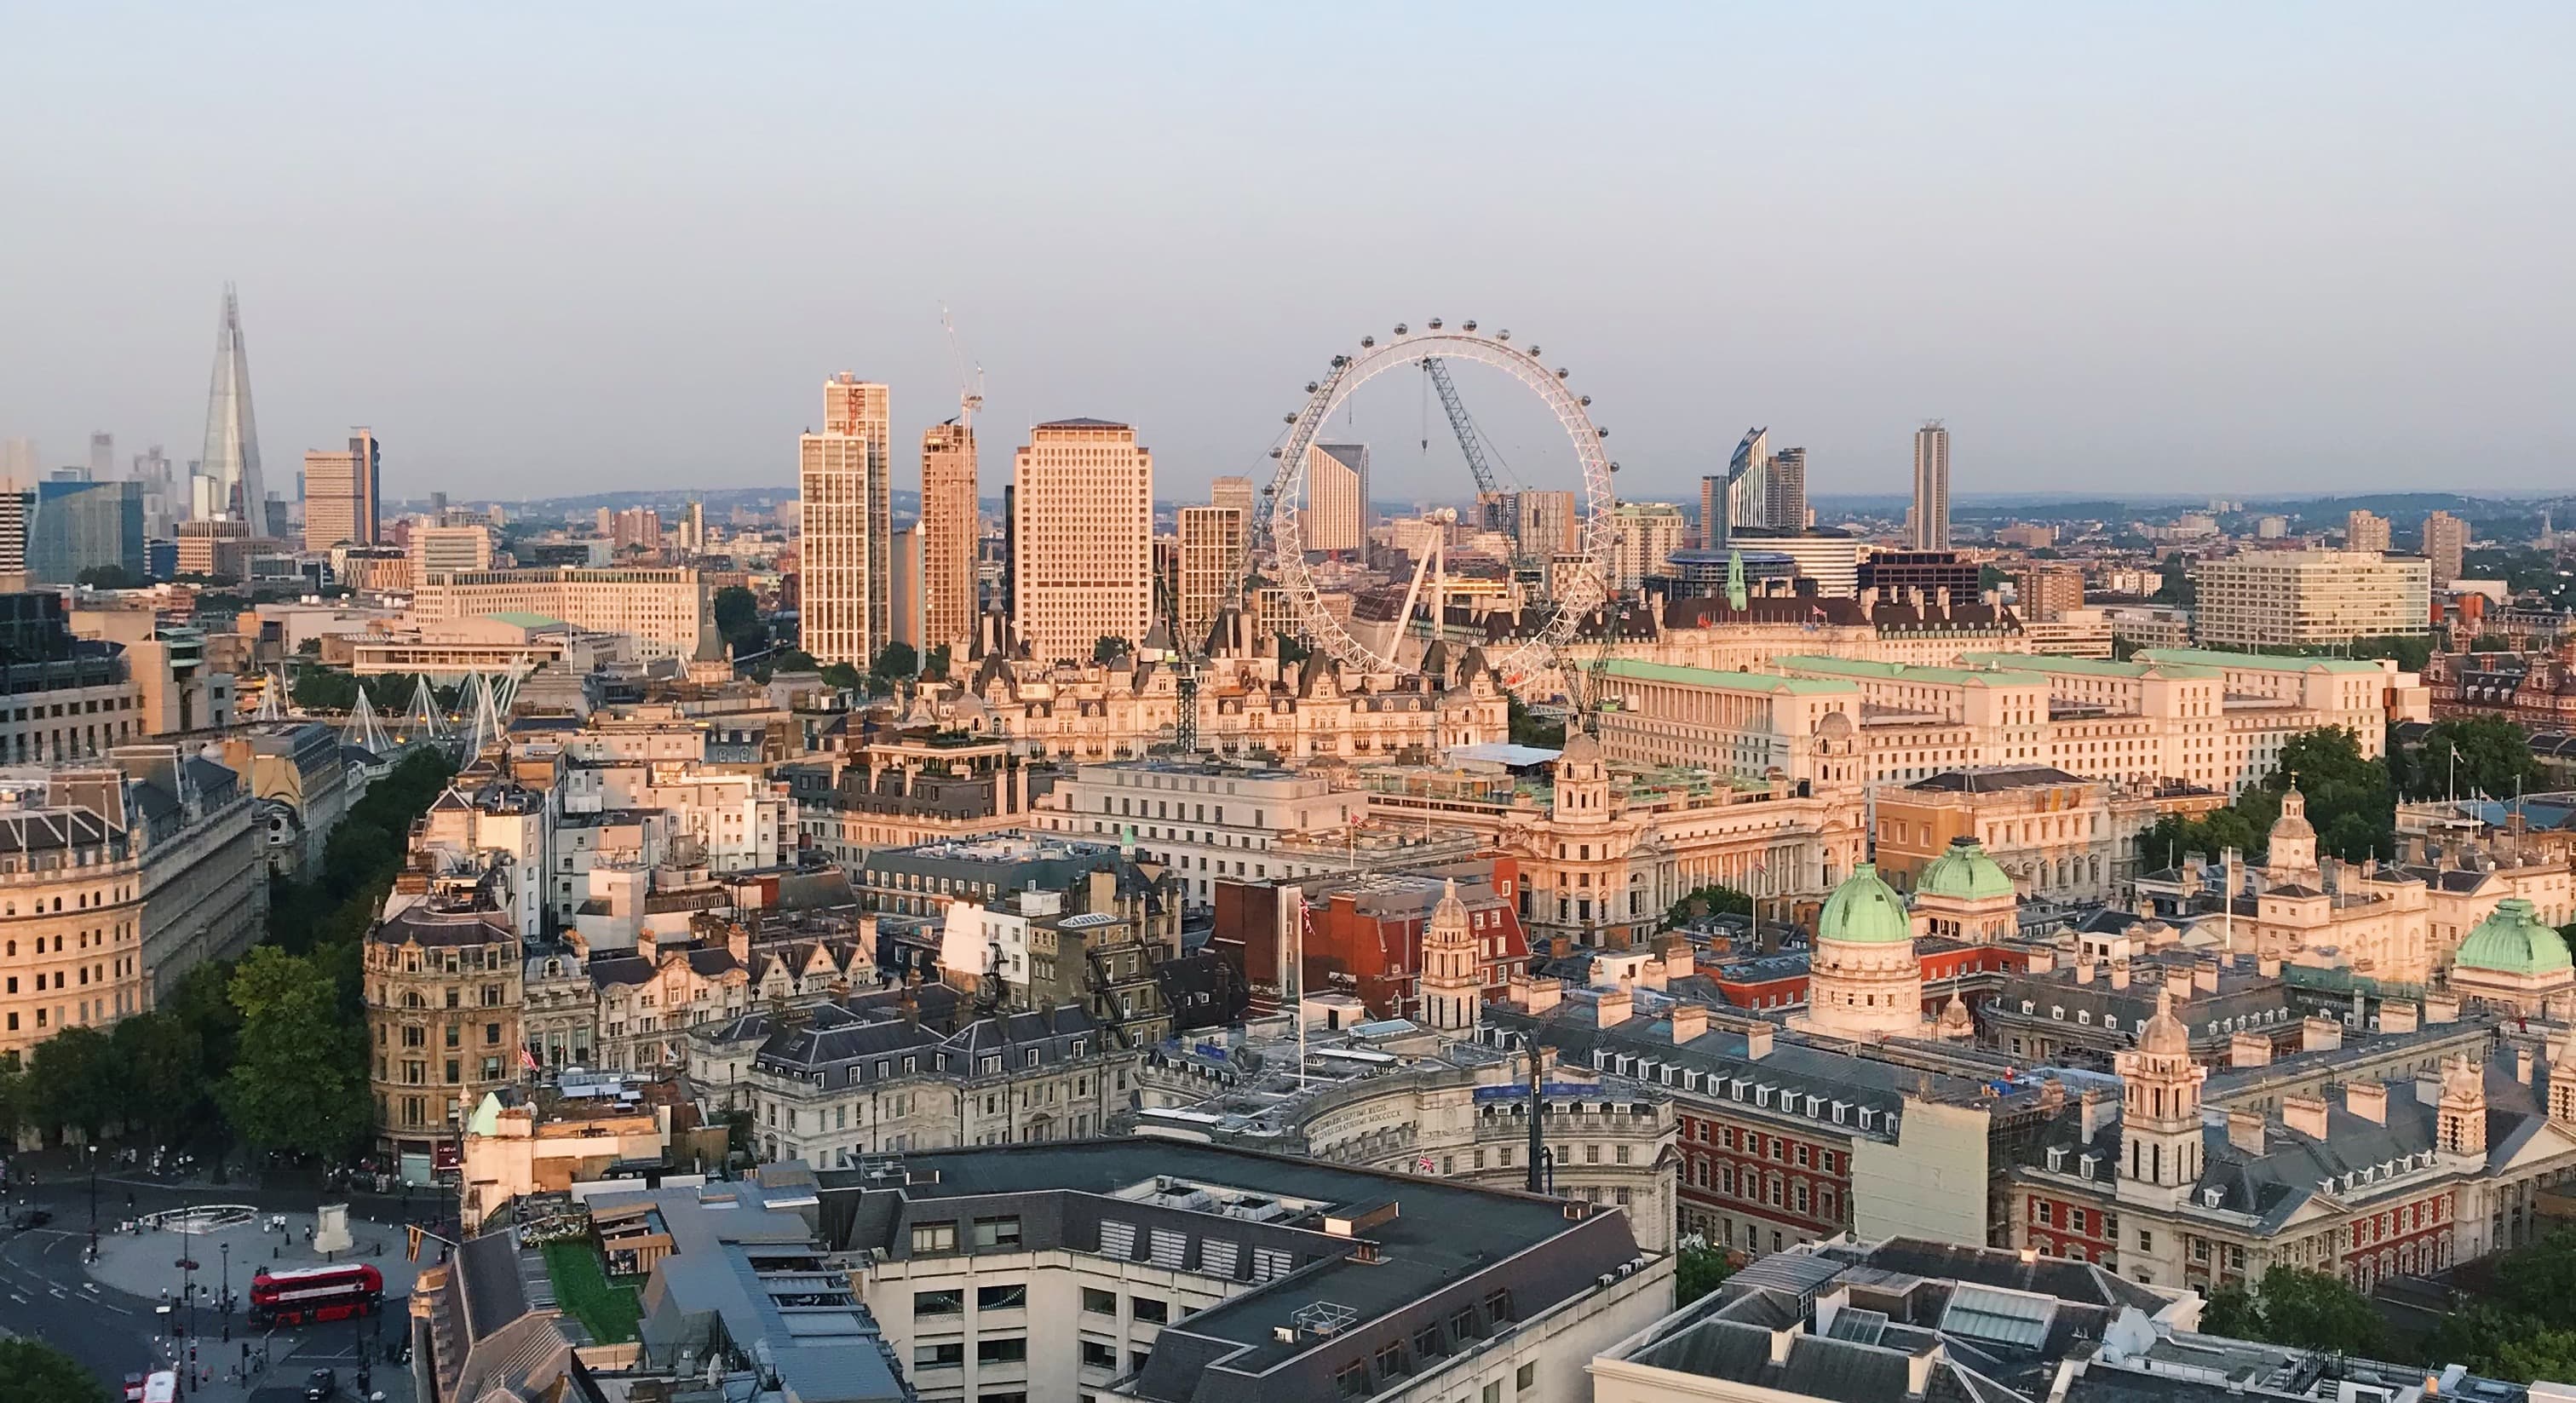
(567, 248)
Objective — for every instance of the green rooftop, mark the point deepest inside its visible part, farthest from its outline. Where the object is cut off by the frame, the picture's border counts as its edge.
(2255, 662)
(2081, 667)
(1725, 681)
(1911, 672)
(522, 619)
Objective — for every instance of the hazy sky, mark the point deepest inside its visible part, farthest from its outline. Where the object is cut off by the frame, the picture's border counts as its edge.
(565, 248)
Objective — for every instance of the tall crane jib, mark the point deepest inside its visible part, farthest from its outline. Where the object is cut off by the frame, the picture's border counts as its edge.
(1470, 442)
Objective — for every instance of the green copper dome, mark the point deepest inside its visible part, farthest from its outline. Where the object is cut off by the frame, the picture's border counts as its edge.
(2513, 941)
(1865, 910)
(1964, 873)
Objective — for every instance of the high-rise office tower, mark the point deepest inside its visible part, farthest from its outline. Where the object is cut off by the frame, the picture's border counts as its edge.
(1337, 486)
(1083, 536)
(340, 494)
(847, 545)
(1784, 497)
(2047, 590)
(903, 577)
(232, 438)
(693, 528)
(2365, 530)
(1932, 486)
(2446, 541)
(102, 457)
(1548, 524)
(1235, 492)
(1210, 570)
(950, 524)
(19, 469)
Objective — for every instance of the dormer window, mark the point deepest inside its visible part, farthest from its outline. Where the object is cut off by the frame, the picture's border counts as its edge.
(2058, 1012)
(2084, 1167)
(2057, 1159)
(2209, 1197)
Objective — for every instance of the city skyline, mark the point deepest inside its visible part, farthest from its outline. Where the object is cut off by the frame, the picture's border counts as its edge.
(2105, 247)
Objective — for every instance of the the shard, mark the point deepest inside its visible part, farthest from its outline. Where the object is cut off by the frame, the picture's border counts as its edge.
(232, 440)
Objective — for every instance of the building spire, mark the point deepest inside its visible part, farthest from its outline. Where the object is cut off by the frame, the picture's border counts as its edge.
(231, 457)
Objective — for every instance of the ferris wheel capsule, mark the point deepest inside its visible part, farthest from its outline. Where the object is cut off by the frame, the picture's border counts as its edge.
(1560, 372)
(1287, 418)
(1503, 335)
(1311, 387)
(1399, 328)
(1367, 341)
(1585, 401)
(1273, 453)
(1604, 433)
(1468, 325)
(1435, 324)
(1534, 348)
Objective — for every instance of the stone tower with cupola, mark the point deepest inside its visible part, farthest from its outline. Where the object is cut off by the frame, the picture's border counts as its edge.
(1452, 994)
(1582, 792)
(2160, 1111)
(2462, 1112)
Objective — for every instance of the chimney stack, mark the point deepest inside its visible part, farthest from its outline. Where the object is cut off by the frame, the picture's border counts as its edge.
(2204, 976)
(2084, 971)
(2368, 1100)
(2095, 1110)
(1613, 1007)
(2441, 1006)
(2245, 1130)
(2249, 1050)
(1689, 1021)
(2119, 974)
(2396, 1016)
(2522, 1063)
(2306, 1115)
(2319, 1035)
(1757, 1042)
(2178, 983)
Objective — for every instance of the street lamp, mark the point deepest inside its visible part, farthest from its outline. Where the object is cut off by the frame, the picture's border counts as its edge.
(227, 1250)
(93, 1203)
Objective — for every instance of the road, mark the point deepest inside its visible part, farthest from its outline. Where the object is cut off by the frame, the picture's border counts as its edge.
(47, 1293)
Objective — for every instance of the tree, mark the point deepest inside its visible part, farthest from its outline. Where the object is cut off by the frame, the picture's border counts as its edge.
(934, 664)
(2305, 1309)
(73, 1082)
(32, 1371)
(794, 660)
(107, 577)
(2351, 804)
(162, 1062)
(1698, 1270)
(1108, 648)
(298, 1083)
(843, 676)
(737, 617)
(2494, 758)
(1293, 650)
(1708, 901)
(1527, 729)
(895, 662)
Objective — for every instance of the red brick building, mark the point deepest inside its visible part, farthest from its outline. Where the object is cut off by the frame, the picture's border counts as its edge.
(1363, 932)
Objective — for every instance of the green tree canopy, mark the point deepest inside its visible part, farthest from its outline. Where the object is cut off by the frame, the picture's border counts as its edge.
(2494, 758)
(934, 664)
(1697, 1270)
(298, 1083)
(2305, 1309)
(2351, 803)
(161, 1065)
(842, 675)
(32, 1371)
(1108, 648)
(73, 1083)
(895, 662)
(1708, 901)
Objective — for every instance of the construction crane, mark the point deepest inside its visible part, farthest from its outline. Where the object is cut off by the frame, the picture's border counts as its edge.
(970, 373)
(1472, 443)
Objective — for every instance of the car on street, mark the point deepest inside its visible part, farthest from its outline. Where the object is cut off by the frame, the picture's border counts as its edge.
(26, 1218)
(134, 1388)
(319, 1385)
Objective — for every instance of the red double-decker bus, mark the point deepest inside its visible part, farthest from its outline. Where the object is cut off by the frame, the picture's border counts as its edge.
(299, 1295)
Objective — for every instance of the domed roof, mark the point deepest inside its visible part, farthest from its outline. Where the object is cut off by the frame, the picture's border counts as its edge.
(1864, 910)
(1580, 749)
(1450, 913)
(1965, 873)
(2513, 941)
(2164, 1033)
(2293, 822)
